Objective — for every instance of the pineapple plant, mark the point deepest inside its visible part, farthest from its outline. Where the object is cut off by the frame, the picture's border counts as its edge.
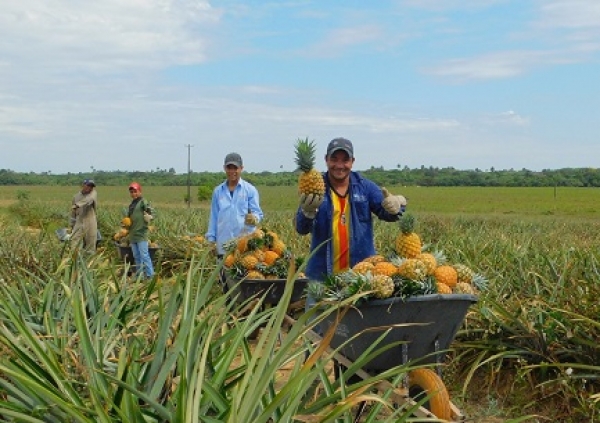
(310, 180)
(408, 243)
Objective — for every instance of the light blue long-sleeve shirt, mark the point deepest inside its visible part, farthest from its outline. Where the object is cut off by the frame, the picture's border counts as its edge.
(228, 210)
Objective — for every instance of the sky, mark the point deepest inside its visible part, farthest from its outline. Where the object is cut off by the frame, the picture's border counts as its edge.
(142, 85)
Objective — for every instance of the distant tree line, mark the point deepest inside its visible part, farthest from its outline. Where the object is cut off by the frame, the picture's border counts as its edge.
(423, 176)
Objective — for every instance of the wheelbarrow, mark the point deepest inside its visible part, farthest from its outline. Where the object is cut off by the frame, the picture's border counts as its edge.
(64, 235)
(428, 326)
(271, 290)
(126, 254)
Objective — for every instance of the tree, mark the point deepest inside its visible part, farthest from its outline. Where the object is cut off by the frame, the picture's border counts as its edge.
(204, 193)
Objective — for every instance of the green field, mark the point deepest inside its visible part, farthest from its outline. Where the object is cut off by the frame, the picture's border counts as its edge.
(569, 202)
(537, 247)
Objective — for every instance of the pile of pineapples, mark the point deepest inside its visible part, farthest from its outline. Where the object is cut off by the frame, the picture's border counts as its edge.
(409, 271)
(259, 255)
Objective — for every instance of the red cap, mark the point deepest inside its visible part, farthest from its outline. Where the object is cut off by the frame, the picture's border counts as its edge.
(135, 186)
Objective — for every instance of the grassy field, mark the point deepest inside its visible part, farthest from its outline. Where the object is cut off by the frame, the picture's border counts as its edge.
(570, 202)
(529, 345)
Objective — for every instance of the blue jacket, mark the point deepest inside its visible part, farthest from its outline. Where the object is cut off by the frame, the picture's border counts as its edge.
(365, 200)
(227, 212)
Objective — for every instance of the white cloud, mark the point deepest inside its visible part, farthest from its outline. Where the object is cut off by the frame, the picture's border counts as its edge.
(339, 40)
(102, 35)
(573, 14)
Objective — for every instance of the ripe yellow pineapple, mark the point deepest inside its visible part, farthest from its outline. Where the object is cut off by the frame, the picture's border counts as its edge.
(249, 261)
(442, 288)
(255, 274)
(279, 247)
(229, 260)
(375, 259)
(310, 180)
(384, 268)
(446, 274)
(269, 257)
(362, 267)
(408, 243)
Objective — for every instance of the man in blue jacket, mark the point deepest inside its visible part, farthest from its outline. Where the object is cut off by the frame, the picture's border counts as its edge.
(342, 219)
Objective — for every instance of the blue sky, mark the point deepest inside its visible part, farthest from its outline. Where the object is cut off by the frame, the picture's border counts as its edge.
(128, 84)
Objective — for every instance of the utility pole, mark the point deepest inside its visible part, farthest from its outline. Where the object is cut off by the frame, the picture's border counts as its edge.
(189, 182)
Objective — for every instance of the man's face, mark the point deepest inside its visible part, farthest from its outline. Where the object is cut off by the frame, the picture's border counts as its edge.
(339, 165)
(134, 193)
(86, 189)
(233, 172)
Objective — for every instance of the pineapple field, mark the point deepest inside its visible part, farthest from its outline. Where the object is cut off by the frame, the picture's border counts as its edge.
(82, 342)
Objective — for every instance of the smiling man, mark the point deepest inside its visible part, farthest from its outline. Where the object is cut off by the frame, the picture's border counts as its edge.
(235, 205)
(343, 217)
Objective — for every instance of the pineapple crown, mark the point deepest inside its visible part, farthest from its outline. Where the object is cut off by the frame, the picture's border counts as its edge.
(407, 223)
(305, 154)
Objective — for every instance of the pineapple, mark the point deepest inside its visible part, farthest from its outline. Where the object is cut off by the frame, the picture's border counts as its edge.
(384, 268)
(248, 261)
(446, 274)
(279, 247)
(255, 274)
(310, 180)
(382, 286)
(408, 243)
(464, 288)
(229, 260)
(363, 267)
(442, 288)
(413, 269)
(464, 273)
(270, 256)
(375, 259)
(429, 260)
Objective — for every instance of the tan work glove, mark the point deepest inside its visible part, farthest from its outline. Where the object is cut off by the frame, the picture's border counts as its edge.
(309, 204)
(148, 217)
(251, 219)
(393, 204)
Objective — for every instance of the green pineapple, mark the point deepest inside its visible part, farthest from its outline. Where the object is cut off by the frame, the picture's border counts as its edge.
(464, 273)
(382, 286)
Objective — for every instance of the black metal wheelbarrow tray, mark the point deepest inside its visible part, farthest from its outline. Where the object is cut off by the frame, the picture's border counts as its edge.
(421, 329)
(272, 289)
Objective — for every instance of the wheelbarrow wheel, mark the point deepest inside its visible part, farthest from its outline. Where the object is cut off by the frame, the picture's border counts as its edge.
(426, 383)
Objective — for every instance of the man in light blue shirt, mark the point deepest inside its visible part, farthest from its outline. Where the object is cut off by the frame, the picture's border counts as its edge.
(235, 208)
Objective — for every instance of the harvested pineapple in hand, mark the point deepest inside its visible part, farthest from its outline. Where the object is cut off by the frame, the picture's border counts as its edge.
(310, 180)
